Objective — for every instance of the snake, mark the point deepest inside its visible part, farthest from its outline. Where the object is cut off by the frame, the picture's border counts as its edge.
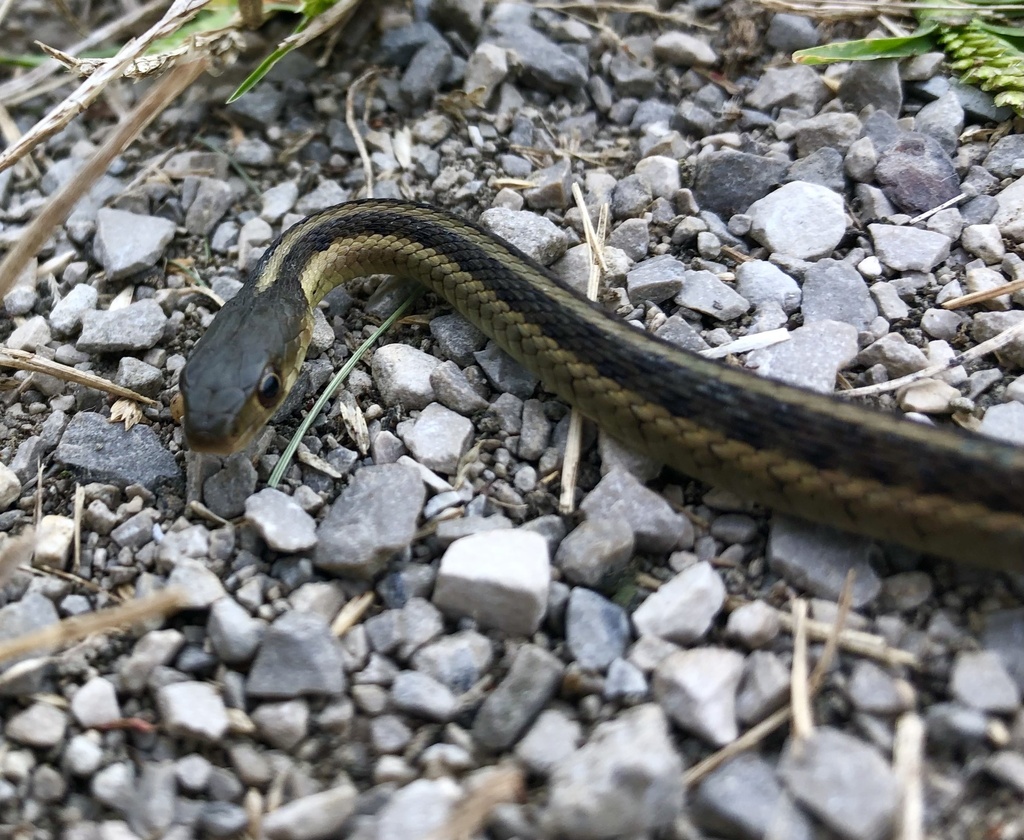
(940, 490)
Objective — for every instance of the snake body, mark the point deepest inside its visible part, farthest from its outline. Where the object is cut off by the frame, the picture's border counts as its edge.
(942, 491)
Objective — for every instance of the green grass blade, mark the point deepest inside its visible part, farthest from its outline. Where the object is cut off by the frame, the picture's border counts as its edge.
(869, 49)
(293, 445)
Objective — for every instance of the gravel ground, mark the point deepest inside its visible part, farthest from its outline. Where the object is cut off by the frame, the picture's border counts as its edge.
(602, 654)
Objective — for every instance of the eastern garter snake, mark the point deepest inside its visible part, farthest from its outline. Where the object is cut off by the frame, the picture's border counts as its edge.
(945, 492)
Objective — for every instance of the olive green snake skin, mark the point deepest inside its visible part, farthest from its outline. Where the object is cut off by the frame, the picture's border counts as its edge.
(942, 491)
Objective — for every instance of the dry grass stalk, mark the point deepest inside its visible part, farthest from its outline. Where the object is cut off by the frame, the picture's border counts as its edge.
(992, 345)
(351, 614)
(573, 442)
(157, 606)
(57, 208)
(497, 785)
(20, 360)
(180, 13)
(759, 731)
(42, 79)
(799, 690)
(983, 295)
(353, 127)
(908, 762)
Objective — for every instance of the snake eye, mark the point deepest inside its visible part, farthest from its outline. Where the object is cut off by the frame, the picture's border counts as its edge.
(269, 389)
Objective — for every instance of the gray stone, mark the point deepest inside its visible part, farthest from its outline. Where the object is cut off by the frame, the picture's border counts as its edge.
(873, 691)
(682, 610)
(454, 390)
(835, 291)
(373, 518)
(199, 585)
(728, 182)
(233, 633)
(516, 701)
(834, 130)
(596, 630)
(210, 202)
(534, 235)
(842, 781)
(126, 243)
(136, 327)
(796, 86)
(980, 680)
(98, 450)
(588, 800)
(41, 726)
(872, 83)
(697, 689)
(904, 248)
(226, 491)
(703, 292)
(95, 703)
(754, 625)
(418, 810)
(505, 373)
(894, 354)
(542, 63)
(916, 174)
(458, 661)
(298, 656)
(426, 72)
(421, 695)
(655, 525)
(312, 817)
(282, 725)
(192, 710)
(456, 338)
(818, 559)
(552, 739)
(765, 687)
(656, 279)
(67, 313)
(943, 121)
(812, 358)
(760, 282)
(597, 549)
(743, 799)
(799, 219)
(402, 375)
(281, 521)
(439, 438)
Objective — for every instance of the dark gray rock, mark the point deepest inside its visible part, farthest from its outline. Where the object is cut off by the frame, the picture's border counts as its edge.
(518, 699)
(743, 799)
(98, 450)
(728, 182)
(298, 656)
(916, 174)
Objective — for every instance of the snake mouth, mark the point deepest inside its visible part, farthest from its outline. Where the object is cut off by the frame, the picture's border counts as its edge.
(212, 433)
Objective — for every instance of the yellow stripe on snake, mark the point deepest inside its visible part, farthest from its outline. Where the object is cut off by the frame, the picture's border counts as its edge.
(942, 491)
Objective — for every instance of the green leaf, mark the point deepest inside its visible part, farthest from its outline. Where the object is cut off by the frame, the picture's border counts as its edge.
(869, 49)
(256, 75)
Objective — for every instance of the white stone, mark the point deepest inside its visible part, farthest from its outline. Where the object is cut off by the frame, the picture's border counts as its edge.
(10, 487)
(499, 579)
(192, 709)
(281, 521)
(53, 541)
(799, 219)
(95, 703)
(682, 610)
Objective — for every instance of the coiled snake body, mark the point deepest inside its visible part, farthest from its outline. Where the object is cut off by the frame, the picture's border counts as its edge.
(942, 491)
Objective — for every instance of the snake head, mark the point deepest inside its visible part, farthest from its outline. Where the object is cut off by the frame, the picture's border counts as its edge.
(242, 368)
